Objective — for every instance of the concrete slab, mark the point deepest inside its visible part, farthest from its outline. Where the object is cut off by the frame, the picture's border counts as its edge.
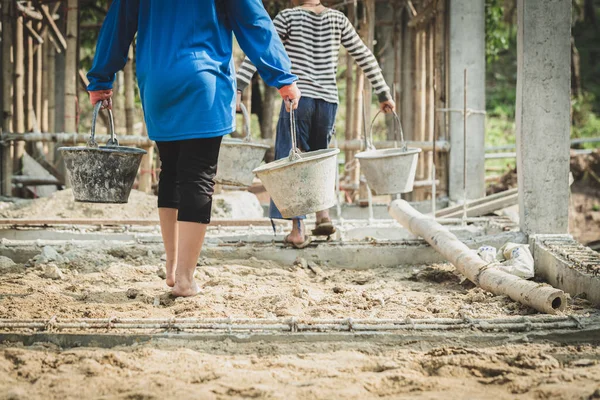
(568, 265)
(352, 255)
(573, 336)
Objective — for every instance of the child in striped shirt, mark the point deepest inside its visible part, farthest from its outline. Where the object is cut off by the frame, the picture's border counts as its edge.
(312, 35)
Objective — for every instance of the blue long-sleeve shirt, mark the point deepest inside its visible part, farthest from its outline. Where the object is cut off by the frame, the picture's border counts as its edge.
(184, 60)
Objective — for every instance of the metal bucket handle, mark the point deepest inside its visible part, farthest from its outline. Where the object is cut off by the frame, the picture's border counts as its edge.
(294, 152)
(246, 118)
(371, 146)
(113, 139)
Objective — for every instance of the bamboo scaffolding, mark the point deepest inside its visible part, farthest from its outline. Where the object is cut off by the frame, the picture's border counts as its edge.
(538, 296)
(7, 92)
(74, 138)
(71, 67)
(19, 93)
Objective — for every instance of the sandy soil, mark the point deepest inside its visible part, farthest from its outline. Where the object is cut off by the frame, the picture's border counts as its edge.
(140, 206)
(123, 282)
(227, 370)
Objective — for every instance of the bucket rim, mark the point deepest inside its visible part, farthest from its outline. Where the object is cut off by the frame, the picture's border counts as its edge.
(285, 162)
(385, 153)
(241, 143)
(104, 149)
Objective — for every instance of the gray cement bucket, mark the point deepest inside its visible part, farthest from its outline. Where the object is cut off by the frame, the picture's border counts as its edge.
(102, 174)
(389, 171)
(302, 183)
(238, 158)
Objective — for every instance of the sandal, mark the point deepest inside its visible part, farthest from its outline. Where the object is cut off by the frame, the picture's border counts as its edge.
(324, 228)
(307, 241)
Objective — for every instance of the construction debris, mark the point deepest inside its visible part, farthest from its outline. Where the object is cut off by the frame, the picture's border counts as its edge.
(541, 297)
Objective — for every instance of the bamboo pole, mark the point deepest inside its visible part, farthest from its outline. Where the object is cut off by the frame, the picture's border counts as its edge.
(71, 67)
(541, 297)
(7, 92)
(73, 138)
(129, 93)
(439, 72)
(29, 83)
(45, 95)
(19, 93)
(38, 76)
(146, 170)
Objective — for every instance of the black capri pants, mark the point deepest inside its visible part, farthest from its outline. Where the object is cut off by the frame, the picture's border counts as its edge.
(186, 180)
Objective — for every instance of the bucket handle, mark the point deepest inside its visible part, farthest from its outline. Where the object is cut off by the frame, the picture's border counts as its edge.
(294, 152)
(246, 117)
(371, 146)
(113, 139)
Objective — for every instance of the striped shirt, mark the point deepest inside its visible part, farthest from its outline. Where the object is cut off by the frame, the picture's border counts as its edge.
(312, 42)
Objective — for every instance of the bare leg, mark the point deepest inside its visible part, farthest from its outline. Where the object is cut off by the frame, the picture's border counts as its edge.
(298, 234)
(189, 245)
(322, 215)
(168, 229)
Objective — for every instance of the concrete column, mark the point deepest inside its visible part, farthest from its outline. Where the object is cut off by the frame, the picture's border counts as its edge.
(467, 50)
(543, 114)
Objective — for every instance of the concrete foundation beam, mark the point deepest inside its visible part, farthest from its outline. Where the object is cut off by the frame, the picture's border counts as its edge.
(467, 51)
(566, 264)
(543, 114)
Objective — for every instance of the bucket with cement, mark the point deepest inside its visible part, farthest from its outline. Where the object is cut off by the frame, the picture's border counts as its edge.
(389, 171)
(239, 157)
(302, 183)
(102, 174)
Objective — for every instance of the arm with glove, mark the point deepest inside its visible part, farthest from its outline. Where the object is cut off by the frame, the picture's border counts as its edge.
(265, 54)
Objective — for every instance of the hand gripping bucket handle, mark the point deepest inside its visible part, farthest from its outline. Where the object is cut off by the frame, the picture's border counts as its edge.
(398, 130)
(294, 152)
(246, 117)
(112, 142)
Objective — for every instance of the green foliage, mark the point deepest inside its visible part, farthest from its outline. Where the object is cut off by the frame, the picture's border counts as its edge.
(497, 31)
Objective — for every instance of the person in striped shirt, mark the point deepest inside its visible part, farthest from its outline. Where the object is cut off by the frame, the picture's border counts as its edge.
(312, 35)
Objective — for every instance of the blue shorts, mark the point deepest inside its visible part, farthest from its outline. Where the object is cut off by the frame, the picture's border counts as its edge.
(315, 125)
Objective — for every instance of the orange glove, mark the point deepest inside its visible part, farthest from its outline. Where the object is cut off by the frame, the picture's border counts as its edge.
(291, 94)
(105, 96)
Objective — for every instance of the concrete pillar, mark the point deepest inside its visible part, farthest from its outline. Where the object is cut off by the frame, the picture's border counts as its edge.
(467, 50)
(543, 114)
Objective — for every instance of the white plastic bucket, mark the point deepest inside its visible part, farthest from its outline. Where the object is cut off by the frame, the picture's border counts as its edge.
(389, 171)
(239, 157)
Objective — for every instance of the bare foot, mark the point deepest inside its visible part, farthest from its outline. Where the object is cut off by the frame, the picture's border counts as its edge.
(185, 289)
(171, 268)
(297, 236)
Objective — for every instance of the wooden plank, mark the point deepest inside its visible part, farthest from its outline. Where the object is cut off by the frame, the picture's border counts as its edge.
(487, 208)
(74, 138)
(137, 222)
(449, 210)
(35, 181)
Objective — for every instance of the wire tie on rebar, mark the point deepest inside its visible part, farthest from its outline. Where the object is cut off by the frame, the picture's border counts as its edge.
(350, 324)
(109, 324)
(229, 324)
(170, 323)
(293, 323)
(410, 322)
(575, 318)
(51, 323)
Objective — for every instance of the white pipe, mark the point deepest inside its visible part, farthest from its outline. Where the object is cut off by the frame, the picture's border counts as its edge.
(541, 297)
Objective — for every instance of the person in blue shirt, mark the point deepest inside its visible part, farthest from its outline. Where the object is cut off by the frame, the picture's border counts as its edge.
(187, 86)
